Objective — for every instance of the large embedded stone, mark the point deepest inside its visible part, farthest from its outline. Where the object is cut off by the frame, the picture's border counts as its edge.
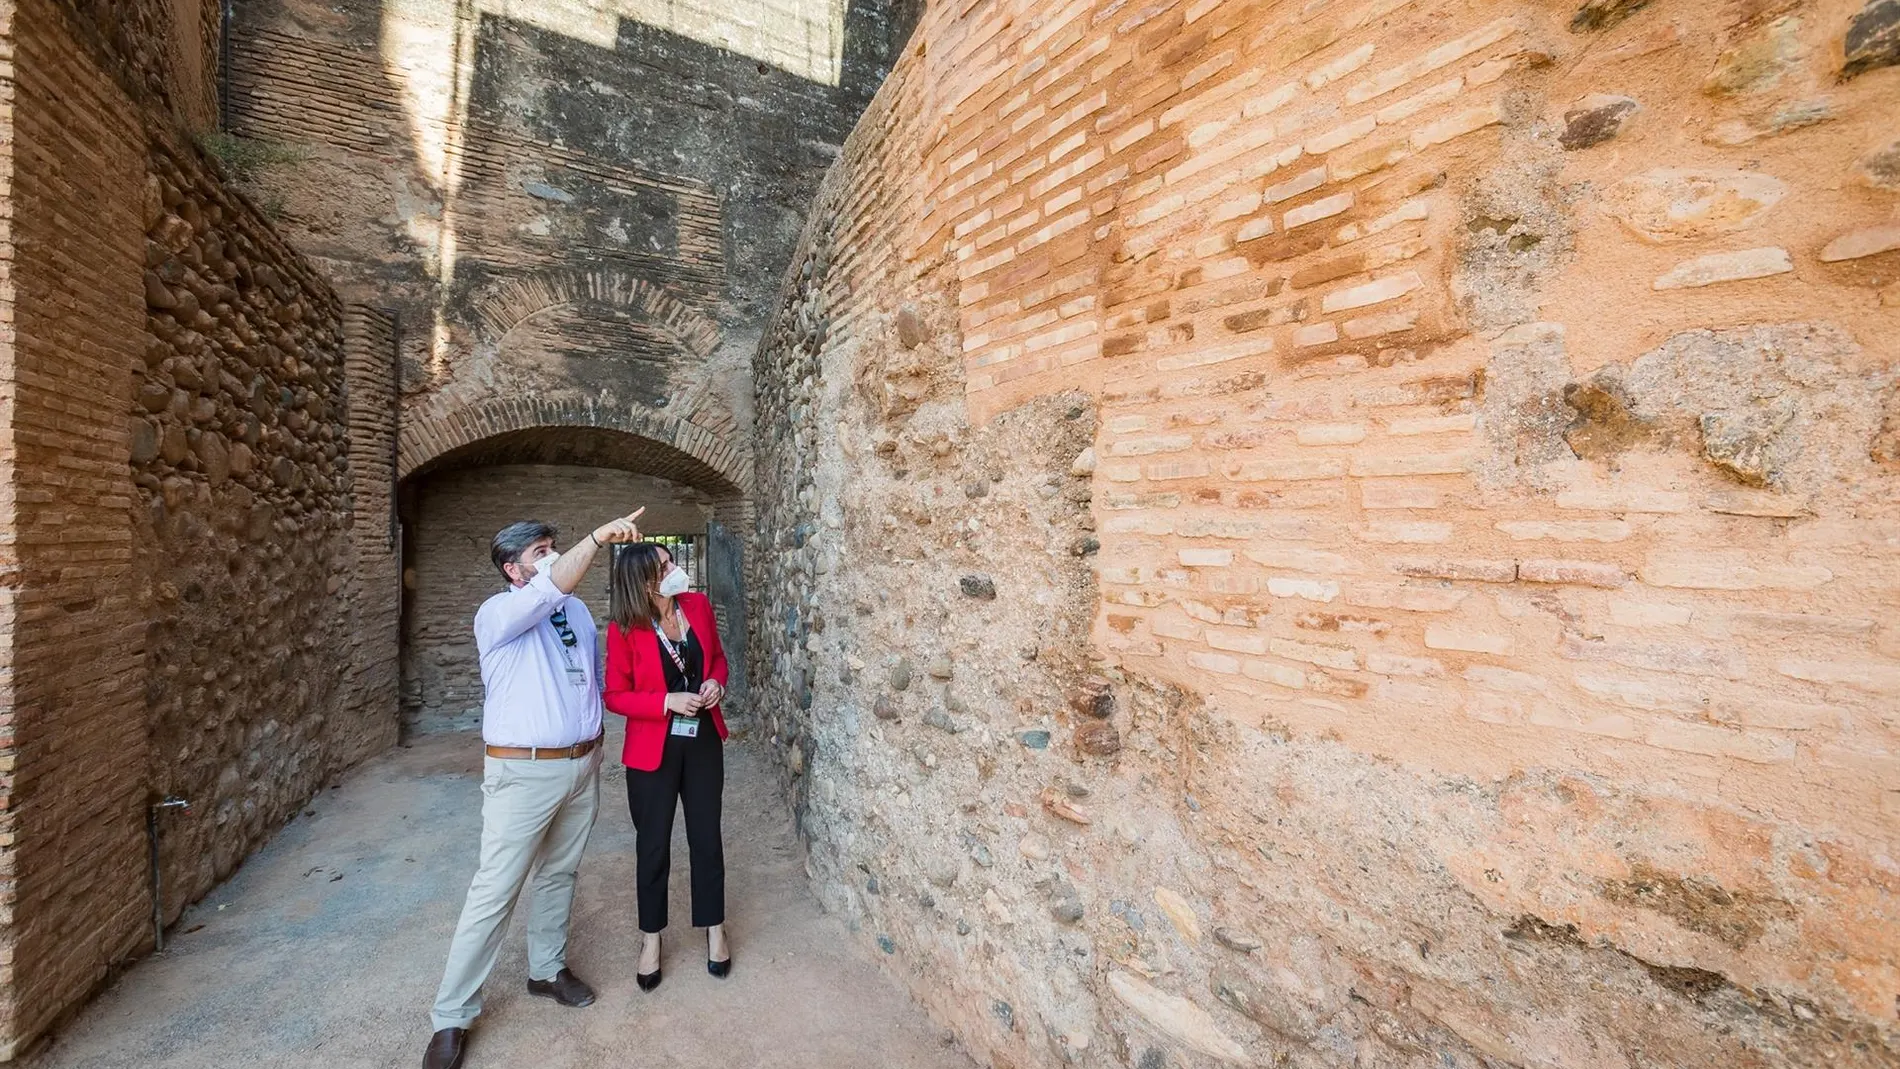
(1594, 119)
(1095, 697)
(1792, 116)
(1867, 241)
(978, 586)
(173, 445)
(1669, 204)
(1236, 940)
(1757, 62)
(1176, 1018)
(1098, 739)
(911, 331)
(144, 441)
(214, 459)
(1873, 38)
(1881, 167)
(1791, 405)
(1265, 1005)
(1603, 14)
(1726, 267)
(185, 373)
(156, 295)
(1179, 912)
(1743, 443)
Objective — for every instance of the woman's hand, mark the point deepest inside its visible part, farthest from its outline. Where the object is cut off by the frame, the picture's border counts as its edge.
(710, 693)
(682, 703)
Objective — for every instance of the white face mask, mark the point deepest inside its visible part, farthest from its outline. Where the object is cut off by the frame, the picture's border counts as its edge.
(529, 571)
(677, 582)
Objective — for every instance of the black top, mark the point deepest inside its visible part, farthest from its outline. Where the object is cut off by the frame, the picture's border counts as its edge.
(695, 674)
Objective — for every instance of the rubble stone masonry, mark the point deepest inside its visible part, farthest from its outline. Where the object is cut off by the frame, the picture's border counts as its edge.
(1354, 532)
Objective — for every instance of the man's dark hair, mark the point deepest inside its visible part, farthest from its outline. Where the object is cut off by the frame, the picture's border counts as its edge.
(513, 540)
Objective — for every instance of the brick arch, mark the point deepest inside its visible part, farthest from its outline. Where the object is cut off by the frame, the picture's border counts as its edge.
(512, 302)
(690, 440)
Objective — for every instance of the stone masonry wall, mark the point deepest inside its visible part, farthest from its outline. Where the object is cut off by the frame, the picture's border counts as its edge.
(448, 573)
(178, 495)
(240, 437)
(1485, 416)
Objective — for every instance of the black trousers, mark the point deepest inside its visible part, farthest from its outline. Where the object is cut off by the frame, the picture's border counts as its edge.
(692, 774)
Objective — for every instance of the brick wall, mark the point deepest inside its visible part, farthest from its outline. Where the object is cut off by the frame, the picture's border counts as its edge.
(373, 575)
(448, 574)
(75, 859)
(1487, 534)
(178, 489)
(582, 205)
(162, 52)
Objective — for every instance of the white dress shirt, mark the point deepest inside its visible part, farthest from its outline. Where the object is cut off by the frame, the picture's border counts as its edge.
(529, 698)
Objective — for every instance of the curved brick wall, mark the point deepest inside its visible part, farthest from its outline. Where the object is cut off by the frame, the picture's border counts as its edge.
(1486, 578)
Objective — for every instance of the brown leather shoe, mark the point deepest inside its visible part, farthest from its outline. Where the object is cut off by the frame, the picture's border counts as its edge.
(445, 1049)
(566, 989)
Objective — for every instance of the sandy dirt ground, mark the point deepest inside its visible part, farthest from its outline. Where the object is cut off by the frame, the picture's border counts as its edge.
(325, 949)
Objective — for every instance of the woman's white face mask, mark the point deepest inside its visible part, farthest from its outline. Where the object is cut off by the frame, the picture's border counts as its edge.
(675, 583)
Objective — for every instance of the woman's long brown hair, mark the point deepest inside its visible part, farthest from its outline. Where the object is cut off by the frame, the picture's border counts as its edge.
(633, 597)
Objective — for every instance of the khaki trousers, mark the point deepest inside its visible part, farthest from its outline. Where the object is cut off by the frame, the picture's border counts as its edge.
(535, 820)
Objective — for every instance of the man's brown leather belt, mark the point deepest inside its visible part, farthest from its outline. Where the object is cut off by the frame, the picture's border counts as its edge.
(543, 753)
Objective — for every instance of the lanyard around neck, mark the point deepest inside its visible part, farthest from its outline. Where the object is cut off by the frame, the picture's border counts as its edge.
(672, 650)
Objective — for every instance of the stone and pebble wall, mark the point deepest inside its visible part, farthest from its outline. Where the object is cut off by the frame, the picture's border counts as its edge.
(239, 448)
(1468, 432)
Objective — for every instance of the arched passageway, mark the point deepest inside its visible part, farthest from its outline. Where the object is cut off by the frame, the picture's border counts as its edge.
(573, 475)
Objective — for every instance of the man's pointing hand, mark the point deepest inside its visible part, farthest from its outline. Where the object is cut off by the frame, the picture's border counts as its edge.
(620, 531)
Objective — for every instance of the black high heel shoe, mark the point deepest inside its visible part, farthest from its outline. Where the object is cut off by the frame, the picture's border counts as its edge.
(720, 969)
(648, 980)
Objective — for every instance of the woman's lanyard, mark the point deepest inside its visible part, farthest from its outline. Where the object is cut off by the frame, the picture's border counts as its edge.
(673, 651)
(681, 726)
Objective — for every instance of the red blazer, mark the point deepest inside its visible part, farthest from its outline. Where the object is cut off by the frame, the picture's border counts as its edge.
(636, 687)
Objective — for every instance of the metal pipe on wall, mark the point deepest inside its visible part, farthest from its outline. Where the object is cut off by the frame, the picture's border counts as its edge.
(151, 834)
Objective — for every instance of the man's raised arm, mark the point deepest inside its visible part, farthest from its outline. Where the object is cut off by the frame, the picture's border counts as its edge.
(571, 566)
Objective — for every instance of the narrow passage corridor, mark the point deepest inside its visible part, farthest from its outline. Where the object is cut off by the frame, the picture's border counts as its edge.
(325, 949)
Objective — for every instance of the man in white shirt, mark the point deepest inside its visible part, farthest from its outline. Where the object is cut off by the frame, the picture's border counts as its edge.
(541, 776)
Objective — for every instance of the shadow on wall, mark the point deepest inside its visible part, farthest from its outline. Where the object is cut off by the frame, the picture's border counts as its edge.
(470, 147)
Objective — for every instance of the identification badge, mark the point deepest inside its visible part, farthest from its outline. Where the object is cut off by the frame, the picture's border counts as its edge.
(576, 675)
(685, 729)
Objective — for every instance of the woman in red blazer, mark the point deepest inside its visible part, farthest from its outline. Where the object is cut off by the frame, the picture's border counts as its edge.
(666, 673)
